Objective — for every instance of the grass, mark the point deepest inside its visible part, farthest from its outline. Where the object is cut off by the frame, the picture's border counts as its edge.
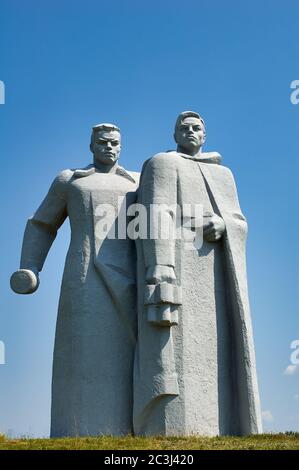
(286, 441)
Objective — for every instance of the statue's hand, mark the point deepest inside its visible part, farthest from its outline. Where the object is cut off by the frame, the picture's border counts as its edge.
(24, 281)
(162, 308)
(160, 273)
(213, 227)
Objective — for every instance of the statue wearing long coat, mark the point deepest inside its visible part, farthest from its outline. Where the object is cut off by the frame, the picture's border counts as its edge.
(197, 376)
(96, 325)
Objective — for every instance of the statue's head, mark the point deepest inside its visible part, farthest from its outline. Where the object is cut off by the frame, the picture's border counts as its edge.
(190, 132)
(105, 143)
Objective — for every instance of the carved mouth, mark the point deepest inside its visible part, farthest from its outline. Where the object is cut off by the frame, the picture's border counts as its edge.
(192, 139)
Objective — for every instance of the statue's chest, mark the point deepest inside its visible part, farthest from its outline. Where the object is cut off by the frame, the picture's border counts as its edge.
(192, 187)
(99, 193)
(101, 189)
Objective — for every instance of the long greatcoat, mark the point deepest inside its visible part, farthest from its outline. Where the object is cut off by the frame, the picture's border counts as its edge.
(96, 325)
(197, 377)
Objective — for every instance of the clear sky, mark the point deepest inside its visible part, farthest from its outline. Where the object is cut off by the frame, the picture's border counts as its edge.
(70, 64)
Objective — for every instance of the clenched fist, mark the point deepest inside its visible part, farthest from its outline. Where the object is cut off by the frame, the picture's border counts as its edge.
(213, 227)
(24, 281)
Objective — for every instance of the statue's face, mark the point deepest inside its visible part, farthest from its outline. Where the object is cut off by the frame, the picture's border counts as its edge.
(190, 135)
(106, 147)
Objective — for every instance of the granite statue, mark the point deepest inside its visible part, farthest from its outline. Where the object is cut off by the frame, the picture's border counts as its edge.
(195, 369)
(95, 338)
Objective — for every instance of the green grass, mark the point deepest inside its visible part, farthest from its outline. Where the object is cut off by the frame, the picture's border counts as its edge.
(285, 441)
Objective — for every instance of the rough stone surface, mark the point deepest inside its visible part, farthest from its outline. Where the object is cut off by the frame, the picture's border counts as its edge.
(194, 363)
(196, 375)
(96, 324)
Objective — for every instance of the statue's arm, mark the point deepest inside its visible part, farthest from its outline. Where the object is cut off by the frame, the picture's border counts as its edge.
(40, 232)
(158, 193)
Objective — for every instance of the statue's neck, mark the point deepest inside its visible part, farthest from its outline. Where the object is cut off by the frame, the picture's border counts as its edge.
(105, 168)
(196, 154)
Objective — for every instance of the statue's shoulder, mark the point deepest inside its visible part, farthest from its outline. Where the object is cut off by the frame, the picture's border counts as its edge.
(63, 177)
(161, 156)
(211, 157)
(135, 175)
(60, 183)
(218, 170)
(225, 170)
(163, 159)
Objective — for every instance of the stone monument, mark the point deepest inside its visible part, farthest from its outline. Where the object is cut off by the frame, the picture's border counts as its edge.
(195, 362)
(96, 325)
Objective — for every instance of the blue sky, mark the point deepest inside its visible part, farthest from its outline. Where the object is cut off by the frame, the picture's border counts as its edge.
(68, 65)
